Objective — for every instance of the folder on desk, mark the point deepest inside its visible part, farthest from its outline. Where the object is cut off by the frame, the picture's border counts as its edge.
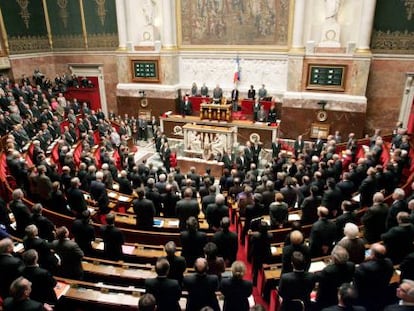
(18, 247)
(158, 223)
(112, 195)
(173, 223)
(99, 246)
(61, 289)
(128, 249)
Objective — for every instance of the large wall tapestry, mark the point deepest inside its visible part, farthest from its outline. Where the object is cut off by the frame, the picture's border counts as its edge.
(393, 27)
(234, 22)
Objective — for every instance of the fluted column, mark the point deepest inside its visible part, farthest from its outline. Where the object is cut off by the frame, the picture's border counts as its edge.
(365, 27)
(129, 24)
(169, 38)
(121, 22)
(299, 17)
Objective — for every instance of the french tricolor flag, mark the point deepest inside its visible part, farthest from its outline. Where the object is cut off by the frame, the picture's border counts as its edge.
(236, 76)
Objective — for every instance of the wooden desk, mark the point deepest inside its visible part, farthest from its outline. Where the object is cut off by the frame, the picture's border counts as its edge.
(215, 112)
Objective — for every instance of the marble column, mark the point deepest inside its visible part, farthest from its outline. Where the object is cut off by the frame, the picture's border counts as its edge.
(365, 27)
(129, 25)
(299, 17)
(169, 38)
(121, 21)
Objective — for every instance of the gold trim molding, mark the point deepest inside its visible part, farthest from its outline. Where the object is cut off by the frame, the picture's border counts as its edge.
(24, 11)
(23, 44)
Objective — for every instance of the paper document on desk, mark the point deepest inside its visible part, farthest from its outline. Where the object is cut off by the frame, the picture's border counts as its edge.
(273, 249)
(317, 266)
(128, 249)
(123, 199)
(356, 198)
(99, 246)
(173, 223)
(251, 301)
(61, 289)
(112, 195)
(18, 247)
(293, 217)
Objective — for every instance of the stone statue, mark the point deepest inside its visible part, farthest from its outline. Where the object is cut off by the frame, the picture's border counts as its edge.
(149, 11)
(331, 10)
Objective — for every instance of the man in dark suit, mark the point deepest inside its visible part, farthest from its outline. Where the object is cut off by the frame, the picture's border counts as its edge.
(201, 288)
(347, 216)
(323, 234)
(125, 186)
(372, 278)
(317, 146)
(251, 93)
(99, 194)
(186, 107)
(374, 219)
(167, 292)
(298, 145)
(83, 232)
(226, 242)
(44, 225)
(235, 99)
(276, 148)
(296, 245)
(216, 211)
(407, 267)
(346, 298)
(113, 239)
(177, 263)
(367, 188)
(228, 160)
(332, 198)
(192, 242)
(70, 255)
(405, 292)
(21, 289)
(310, 206)
(169, 200)
(217, 94)
(42, 280)
(187, 207)
(76, 200)
(21, 212)
(9, 266)
(332, 276)
(297, 284)
(346, 187)
(399, 239)
(144, 210)
(399, 205)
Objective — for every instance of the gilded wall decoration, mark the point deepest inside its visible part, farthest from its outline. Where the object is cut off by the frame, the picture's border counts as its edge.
(25, 44)
(100, 10)
(103, 41)
(409, 5)
(393, 41)
(24, 12)
(234, 22)
(63, 12)
(68, 42)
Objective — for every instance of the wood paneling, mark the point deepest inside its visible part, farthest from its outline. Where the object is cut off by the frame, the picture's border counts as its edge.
(131, 105)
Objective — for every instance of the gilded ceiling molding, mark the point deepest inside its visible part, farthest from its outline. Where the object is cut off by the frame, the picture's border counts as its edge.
(100, 10)
(19, 45)
(63, 12)
(409, 6)
(24, 13)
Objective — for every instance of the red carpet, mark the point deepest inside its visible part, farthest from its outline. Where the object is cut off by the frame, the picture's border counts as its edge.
(241, 255)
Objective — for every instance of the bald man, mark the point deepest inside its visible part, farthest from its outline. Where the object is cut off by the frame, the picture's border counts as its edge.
(201, 287)
(372, 278)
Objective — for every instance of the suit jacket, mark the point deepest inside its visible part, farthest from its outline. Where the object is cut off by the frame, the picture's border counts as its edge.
(113, 240)
(323, 234)
(125, 186)
(236, 293)
(287, 256)
(167, 293)
(192, 244)
(251, 93)
(71, 259)
(371, 279)
(43, 284)
(407, 267)
(399, 242)
(145, 211)
(341, 221)
(186, 208)
(99, 194)
(374, 222)
(227, 245)
(22, 215)
(76, 200)
(215, 213)
(330, 278)
(9, 271)
(396, 207)
(84, 234)
(332, 199)
(169, 201)
(276, 148)
(309, 209)
(235, 95)
(24, 305)
(46, 258)
(296, 285)
(367, 189)
(201, 291)
(298, 146)
(177, 268)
